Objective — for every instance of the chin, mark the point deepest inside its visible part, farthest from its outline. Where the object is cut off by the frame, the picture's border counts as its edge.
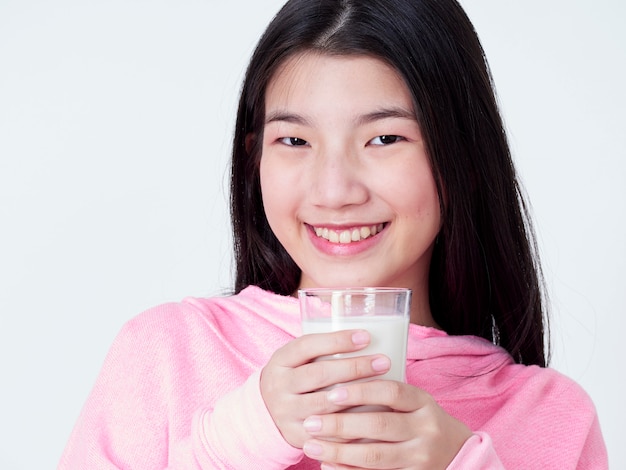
(346, 282)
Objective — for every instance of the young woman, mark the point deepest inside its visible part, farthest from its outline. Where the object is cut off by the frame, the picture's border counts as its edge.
(368, 151)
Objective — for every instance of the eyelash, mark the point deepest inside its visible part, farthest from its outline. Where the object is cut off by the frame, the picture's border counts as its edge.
(298, 142)
(381, 138)
(293, 141)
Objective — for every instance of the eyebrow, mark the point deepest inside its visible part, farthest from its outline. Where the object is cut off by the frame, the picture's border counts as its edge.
(284, 116)
(377, 115)
(387, 113)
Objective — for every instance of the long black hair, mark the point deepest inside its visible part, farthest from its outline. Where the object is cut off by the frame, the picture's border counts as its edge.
(485, 277)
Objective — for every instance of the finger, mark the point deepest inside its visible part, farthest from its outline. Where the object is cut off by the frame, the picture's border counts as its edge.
(308, 347)
(322, 374)
(358, 455)
(395, 395)
(314, 403)
(386, 426)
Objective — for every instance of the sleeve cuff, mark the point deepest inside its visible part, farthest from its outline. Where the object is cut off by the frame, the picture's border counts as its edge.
(239, 433)
(477, 453)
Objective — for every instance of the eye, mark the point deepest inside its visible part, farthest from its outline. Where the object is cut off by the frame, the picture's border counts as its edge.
(385, 140)
(293, 141)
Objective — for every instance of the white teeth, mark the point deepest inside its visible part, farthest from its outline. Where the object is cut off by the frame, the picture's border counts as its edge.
(348, 236)
(345, 237)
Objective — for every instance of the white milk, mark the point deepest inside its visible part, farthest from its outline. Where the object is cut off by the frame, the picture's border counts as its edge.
(388, 336)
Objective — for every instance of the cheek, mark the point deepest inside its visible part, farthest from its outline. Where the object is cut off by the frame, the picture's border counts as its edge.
(412, 191)
(277, 193)
(268, 187)
(425, 204)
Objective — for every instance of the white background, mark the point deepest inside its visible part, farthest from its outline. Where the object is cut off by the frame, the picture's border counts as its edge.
(115, 126)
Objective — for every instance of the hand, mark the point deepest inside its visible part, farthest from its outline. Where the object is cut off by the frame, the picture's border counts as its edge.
(416, 434)
(291, 383)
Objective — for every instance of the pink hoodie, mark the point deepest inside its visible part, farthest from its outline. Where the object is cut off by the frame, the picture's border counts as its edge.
(179, 389)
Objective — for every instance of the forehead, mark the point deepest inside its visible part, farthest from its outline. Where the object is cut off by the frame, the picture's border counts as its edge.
(307, 78)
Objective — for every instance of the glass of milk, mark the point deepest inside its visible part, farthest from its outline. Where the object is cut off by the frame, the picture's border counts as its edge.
(384, 312)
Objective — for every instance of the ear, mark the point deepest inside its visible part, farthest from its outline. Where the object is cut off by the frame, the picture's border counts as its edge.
(250, 142)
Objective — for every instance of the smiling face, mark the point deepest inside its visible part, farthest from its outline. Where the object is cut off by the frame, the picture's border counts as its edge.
(346, 181)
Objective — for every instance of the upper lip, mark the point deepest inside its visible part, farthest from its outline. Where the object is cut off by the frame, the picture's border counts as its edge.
(345, 226)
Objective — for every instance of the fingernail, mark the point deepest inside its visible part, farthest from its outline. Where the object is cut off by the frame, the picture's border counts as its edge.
(312, 424)
(337, 395)
(312, 449)
(359, 338)
(381, 364)
(326, 466)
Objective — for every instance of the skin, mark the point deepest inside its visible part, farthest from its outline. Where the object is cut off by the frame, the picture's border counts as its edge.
(341, 150)
(339, 175)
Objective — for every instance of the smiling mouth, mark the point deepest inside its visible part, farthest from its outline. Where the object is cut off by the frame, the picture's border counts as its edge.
(346, 236)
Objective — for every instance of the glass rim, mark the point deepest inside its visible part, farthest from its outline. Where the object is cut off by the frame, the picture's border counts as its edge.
(353, 290)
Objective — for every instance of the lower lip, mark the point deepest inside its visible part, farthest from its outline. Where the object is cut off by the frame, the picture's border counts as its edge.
(343, 249)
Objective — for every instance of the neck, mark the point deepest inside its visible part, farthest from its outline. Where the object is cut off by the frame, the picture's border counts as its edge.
(420, 307)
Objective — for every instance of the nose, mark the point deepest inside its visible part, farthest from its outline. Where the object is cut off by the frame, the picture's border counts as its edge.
(337, 180)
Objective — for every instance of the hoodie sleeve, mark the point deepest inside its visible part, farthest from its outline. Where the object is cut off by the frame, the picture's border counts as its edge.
(140, 414)
(477, 453)
(239, 433)
(123, 423)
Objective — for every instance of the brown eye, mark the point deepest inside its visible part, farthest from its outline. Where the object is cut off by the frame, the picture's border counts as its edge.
(385, 140)
(293, 141)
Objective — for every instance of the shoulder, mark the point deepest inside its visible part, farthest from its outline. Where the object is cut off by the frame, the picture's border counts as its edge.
(557, 392)
(554, 413)
(547, 382)
(476, 369)
(253, 320)
(193, 312)
(545, 400)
